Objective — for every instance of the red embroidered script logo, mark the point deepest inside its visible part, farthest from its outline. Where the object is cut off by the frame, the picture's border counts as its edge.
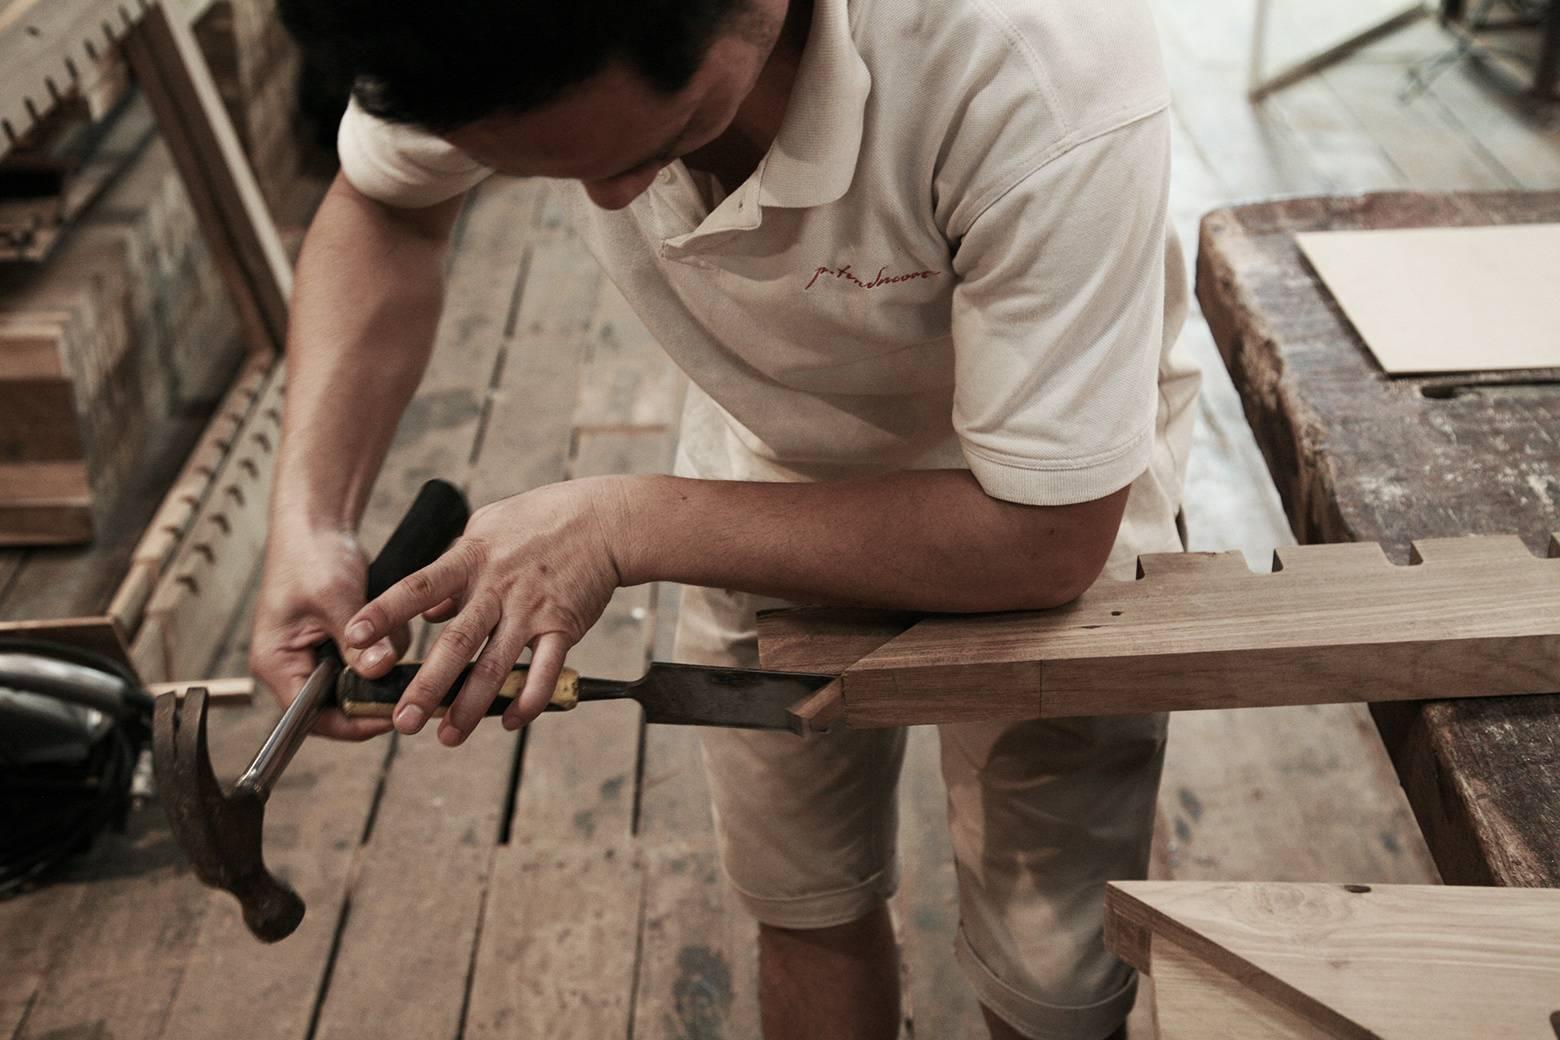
(844, 273)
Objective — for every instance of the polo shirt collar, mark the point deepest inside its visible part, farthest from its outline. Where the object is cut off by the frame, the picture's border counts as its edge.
(813, 158)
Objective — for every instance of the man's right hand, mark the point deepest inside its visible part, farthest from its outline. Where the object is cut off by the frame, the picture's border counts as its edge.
(314, 582)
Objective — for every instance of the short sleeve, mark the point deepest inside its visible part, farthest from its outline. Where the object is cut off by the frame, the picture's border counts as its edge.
(402, 165)
(1058, 321)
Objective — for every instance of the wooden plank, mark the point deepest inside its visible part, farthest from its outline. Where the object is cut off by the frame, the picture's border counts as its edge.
(100, 635)
(1527, 150)
(51, 51)
(558, 947)
(418, 896)
(1434, 154)
(176, 514)
(76, 581)
(698, 966)
(554, 965)
(1193, 1003)
(233, 216)
(1359, 457)
(1361, 961)
(629, 381)
(417, 901)
(1477, 617)
(176, 639)
(81, 161)
(33, 928)
(53, 505)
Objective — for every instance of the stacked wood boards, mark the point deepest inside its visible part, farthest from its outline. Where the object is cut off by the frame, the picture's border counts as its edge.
(127, 326)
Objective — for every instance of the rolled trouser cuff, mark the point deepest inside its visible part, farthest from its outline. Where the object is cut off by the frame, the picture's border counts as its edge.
(1037, 1019)
(822, 909)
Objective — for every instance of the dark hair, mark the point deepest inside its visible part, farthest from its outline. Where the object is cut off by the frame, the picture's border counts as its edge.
(441, 64)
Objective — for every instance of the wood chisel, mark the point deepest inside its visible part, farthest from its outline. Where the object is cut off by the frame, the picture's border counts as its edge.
(672, 694)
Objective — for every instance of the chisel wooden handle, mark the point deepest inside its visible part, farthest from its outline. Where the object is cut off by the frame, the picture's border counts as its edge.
(377, 698)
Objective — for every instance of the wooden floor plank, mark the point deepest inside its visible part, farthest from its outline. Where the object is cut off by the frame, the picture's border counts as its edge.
(417, 901)
(1432, 153)
(438, 433)
(1528, 151)
(629, 380)
(558, 943)
(565, 967)
(34, 930)
(698, 967)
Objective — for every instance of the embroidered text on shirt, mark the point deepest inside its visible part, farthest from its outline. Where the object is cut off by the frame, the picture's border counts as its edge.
(883, 277)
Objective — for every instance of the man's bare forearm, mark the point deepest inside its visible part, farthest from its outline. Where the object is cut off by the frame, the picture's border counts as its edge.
(921, 540)
(370, 288)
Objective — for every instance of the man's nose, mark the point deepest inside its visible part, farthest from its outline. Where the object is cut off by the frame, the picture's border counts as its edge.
(620, 191)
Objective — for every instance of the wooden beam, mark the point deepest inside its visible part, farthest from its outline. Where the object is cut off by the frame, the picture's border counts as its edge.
(1472, 617)
(220, 182)
(1385, 962)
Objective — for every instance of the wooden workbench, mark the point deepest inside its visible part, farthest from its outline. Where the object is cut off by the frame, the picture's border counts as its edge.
(1357, 455)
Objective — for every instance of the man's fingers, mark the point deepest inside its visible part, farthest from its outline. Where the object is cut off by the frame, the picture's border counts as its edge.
(541, 679)
(336, 726)
(442, 613)
(377, 660)
(487, 675)
(451, 652)
(406, 599)
(374, 662)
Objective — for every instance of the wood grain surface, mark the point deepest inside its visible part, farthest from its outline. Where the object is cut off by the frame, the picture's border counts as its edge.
(1334, 623)
(1416, 962)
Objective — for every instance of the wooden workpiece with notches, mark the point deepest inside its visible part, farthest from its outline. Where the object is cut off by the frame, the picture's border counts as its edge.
(1471, 617)
(1361, 962)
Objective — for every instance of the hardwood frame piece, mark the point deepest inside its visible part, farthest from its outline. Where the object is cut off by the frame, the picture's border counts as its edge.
(1361, 962)
(1471, 617)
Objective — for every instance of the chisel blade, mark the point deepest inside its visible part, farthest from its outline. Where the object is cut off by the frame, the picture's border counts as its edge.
(670, 694)
(696, 695)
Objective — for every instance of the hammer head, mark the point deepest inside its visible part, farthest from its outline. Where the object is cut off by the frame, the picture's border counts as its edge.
(219, 831)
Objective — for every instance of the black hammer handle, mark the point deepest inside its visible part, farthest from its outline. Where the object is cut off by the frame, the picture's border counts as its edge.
(437, 517)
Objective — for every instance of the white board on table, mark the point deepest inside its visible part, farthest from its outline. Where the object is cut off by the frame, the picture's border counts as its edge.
(1468, 299)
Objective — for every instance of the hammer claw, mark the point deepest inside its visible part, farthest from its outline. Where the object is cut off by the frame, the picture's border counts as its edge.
(219, 831)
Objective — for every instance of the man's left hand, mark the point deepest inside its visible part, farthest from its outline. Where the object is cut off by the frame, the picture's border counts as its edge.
(535, 570)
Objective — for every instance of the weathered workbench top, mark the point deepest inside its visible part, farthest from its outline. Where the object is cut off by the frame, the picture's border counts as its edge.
(1358, 455)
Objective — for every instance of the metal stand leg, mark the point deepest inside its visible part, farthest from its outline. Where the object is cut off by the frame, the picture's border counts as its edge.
(1261, 85)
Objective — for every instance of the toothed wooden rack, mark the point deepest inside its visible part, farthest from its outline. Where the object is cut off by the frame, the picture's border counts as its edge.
(1468, 617)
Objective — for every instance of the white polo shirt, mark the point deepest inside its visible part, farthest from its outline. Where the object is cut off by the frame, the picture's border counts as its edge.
(956, 253)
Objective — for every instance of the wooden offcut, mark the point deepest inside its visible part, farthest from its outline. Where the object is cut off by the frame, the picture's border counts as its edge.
(1473, 617)
(1362, 962)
